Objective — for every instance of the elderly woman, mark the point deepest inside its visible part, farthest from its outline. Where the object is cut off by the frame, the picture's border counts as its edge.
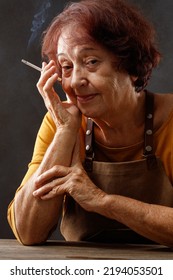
(103, 160)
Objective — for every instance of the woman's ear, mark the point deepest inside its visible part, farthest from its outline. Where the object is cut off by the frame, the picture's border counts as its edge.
(133, 79)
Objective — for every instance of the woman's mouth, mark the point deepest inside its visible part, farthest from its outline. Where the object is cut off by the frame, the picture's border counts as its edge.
(85, 98)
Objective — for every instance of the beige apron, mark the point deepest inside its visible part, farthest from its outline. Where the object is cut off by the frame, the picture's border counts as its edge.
(144, 180)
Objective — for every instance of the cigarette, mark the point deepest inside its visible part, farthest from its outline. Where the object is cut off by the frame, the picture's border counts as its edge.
(36, 67)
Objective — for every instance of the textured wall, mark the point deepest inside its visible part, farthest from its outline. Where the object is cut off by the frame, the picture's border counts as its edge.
(21, 107)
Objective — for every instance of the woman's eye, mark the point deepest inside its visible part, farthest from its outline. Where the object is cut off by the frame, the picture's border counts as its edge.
(66, 68)
(92, 61)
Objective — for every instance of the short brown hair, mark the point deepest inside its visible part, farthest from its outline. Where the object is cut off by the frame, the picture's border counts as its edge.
(118, 27)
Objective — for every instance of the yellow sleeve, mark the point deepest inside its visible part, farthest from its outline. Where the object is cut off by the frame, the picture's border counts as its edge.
(43, 140)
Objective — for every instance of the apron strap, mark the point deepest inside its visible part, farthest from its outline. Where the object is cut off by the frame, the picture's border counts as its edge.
(148, 152)
(89, 152)
(148, 132)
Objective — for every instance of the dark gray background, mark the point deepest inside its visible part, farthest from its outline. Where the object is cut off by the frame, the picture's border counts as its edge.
(21, 107)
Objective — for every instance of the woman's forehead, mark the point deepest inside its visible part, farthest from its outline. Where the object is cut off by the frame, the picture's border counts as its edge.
(74, 36)
(70, 42)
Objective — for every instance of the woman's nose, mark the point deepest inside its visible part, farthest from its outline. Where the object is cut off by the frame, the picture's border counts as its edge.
(78, 78)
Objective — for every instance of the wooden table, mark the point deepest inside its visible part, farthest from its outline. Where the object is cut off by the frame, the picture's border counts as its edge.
(59, 250)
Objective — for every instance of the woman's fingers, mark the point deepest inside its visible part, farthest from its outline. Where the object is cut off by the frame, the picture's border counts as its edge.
(54, 172)
(48, 86)
(57, 190)
(50, 187)
(47, 79)
(78, 185)
(51, 99)
(44, 189)
(60, 114)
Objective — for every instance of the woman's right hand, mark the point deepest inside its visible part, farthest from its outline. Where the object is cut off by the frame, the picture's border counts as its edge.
(63, 114)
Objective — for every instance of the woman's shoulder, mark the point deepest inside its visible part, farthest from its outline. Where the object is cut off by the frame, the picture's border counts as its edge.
(164, 101)
(163, 109)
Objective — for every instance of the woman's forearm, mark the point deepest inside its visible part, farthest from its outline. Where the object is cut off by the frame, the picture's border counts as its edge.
(34, 217)
(155, 222)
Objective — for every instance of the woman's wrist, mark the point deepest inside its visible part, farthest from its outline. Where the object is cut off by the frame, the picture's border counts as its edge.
(66, 130)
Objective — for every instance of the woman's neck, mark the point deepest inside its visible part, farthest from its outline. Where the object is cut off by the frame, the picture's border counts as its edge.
(122, 127)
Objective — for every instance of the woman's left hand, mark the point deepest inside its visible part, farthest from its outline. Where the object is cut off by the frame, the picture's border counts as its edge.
(69, 180)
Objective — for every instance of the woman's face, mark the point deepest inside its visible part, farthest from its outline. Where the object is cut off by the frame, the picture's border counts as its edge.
(89, 76)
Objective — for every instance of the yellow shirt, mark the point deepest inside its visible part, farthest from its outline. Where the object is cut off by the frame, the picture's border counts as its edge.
(163, 146)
